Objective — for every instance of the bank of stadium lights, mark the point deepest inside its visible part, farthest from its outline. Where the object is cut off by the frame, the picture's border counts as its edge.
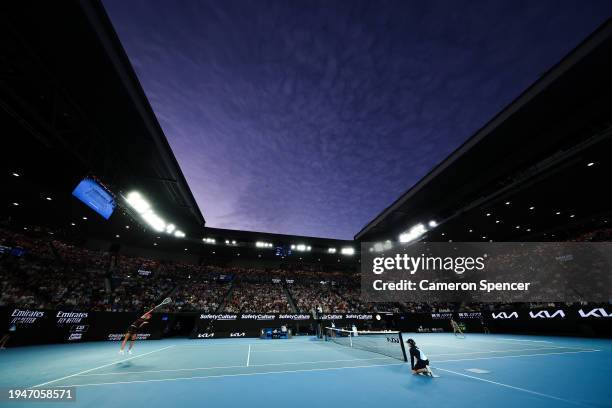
(261, 244)
(15, 174)
(146, 212)
(228, 242)
(347, 251)
(590, 164)
(412, 234)
(301, 247)
(331, 250)
(210, 241)
(433, 224)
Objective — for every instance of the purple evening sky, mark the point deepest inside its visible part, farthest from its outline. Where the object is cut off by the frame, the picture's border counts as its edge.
(310, 117)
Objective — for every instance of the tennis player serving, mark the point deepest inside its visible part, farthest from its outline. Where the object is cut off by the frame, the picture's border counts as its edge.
(421, 366)
(132, 331)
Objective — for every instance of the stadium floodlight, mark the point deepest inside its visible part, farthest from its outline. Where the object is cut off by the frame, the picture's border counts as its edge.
(170, 228)
(378, 247)
(590, 164)
(412, 234)
(261, 244)
(433, 224)
(301, 247)
(179, 234)
(532, 208)
(15, 174)
(154, 220)
(211, 241)
(227, 242)
(138, 203)
(331, 250)
(16, 204)
(347, 251)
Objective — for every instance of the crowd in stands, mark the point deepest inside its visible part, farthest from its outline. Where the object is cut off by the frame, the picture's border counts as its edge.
(37, 270)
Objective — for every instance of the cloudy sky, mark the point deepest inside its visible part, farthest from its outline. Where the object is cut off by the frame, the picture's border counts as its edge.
(310, 117)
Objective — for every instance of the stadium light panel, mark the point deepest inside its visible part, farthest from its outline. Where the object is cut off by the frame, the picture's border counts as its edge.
(331, 250)
(170, 228)
(433, 224)
(507, 202)
(210, 241)
(16, 204)
(233, 242)
(261, 244)
(15, 174)
(48, 198)
(591, 164)
(85, 218)
(179, 234)
(532, 208)
(413, 233)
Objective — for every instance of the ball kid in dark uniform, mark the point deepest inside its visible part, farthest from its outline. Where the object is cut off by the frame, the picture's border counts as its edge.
(421, 365)
(132, 332)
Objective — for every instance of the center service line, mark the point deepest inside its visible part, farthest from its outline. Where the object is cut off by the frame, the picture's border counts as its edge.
(249, 356)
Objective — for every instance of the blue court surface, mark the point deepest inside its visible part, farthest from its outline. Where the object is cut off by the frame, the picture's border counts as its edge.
(480, 370)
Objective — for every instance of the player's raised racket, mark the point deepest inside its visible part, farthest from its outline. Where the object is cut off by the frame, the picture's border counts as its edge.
(164, 302)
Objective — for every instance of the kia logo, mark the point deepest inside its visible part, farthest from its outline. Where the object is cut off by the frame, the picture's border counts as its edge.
(599, 312)
(504, 315)
(545, 314)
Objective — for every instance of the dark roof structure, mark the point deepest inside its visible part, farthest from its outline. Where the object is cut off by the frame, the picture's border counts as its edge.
(537, 170)
(71, 105)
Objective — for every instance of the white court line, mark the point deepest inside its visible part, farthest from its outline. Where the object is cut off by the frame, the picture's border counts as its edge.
(230, 375)
(504, 351)
(235, 366)
(513, 387)
(102, 366)
(249, 356)
(520, 355)
(281, 350)
(533, 341)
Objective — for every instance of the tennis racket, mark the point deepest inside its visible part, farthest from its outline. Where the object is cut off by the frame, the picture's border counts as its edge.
(164, 302)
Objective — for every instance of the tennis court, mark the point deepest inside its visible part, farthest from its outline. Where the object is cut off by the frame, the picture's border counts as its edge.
(502, 370)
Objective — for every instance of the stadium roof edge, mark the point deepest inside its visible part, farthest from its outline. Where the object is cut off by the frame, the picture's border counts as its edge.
(102, 25)
(598, 36)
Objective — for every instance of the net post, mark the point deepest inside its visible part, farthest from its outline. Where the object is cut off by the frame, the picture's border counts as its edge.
(401, 339)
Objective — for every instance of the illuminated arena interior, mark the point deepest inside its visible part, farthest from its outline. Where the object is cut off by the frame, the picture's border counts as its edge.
(249, 310)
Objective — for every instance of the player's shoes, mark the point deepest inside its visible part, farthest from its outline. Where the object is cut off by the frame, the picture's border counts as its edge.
(130, 352)
(121, 352)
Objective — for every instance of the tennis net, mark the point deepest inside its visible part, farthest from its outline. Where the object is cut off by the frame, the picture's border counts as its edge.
(388, 343)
